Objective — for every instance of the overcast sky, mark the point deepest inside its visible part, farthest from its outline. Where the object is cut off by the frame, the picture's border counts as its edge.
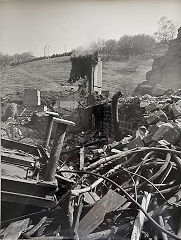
(30, 25)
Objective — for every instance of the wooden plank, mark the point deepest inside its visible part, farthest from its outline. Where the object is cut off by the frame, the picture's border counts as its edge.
(110, 202)
(76, 192)
(81, 158)
(63, 121)
(138, 224)
(78, 214)
(52, 113)
(14, 230)
(37, 226)
(161, 222)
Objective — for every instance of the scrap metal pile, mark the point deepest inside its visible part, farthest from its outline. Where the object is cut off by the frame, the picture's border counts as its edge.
(129, 189)
(135, 184)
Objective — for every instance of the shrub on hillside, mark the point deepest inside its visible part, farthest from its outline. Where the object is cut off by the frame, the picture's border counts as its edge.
(126, 47)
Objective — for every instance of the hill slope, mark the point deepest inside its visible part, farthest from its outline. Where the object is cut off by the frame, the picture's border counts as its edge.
(43, 74)
(122, 76)
(51, 74)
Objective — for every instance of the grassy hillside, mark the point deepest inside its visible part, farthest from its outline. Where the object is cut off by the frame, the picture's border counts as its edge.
(124, 76)
(52, 74)
(43, 74)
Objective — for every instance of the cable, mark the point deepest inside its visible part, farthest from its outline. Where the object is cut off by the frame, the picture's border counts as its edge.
(135, 174)
(135, 189)
(177, 187)
(132, 200)
(129, 172)
(128, 152)
(144, 160)
(163, 167)
(170, 203)
(155, 184)
(166, 173)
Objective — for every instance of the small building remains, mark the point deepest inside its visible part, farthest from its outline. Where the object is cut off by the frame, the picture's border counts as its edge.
(97, 76)
(31, 97)
(70, 103)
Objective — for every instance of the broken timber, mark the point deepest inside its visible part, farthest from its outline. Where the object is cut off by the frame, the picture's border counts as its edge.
(110, 202)
(138, 224)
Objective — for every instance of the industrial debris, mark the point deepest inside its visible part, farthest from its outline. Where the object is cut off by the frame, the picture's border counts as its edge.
(103, 168)
(98, 184)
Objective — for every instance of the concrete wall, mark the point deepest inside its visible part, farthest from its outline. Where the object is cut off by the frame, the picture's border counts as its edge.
(69, 104)
(31, 97)
(97, 77)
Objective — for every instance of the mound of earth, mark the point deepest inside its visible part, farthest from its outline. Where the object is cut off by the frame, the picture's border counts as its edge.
(165, 72)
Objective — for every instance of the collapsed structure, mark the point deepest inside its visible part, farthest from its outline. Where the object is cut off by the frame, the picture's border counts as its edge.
(114, 174)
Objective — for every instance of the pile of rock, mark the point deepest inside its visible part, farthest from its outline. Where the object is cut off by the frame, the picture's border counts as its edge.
(162, 121)
(165, 72)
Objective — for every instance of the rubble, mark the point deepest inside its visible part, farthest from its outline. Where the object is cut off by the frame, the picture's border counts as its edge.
(123, 189)
(177, 108)
(114, 174)
(168, 133)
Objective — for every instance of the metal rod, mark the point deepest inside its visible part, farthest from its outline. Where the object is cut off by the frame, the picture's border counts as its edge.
(81, 158)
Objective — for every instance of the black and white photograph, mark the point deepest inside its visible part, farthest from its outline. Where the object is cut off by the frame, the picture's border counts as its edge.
(90, 119)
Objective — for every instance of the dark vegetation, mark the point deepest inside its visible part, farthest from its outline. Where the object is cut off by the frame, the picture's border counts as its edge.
(81, 67)
(128, 46)
(25, 57)
(123, 49)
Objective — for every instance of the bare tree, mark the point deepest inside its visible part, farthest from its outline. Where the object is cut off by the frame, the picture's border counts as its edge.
(110, 47)
(96, 46)
(166, 31)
